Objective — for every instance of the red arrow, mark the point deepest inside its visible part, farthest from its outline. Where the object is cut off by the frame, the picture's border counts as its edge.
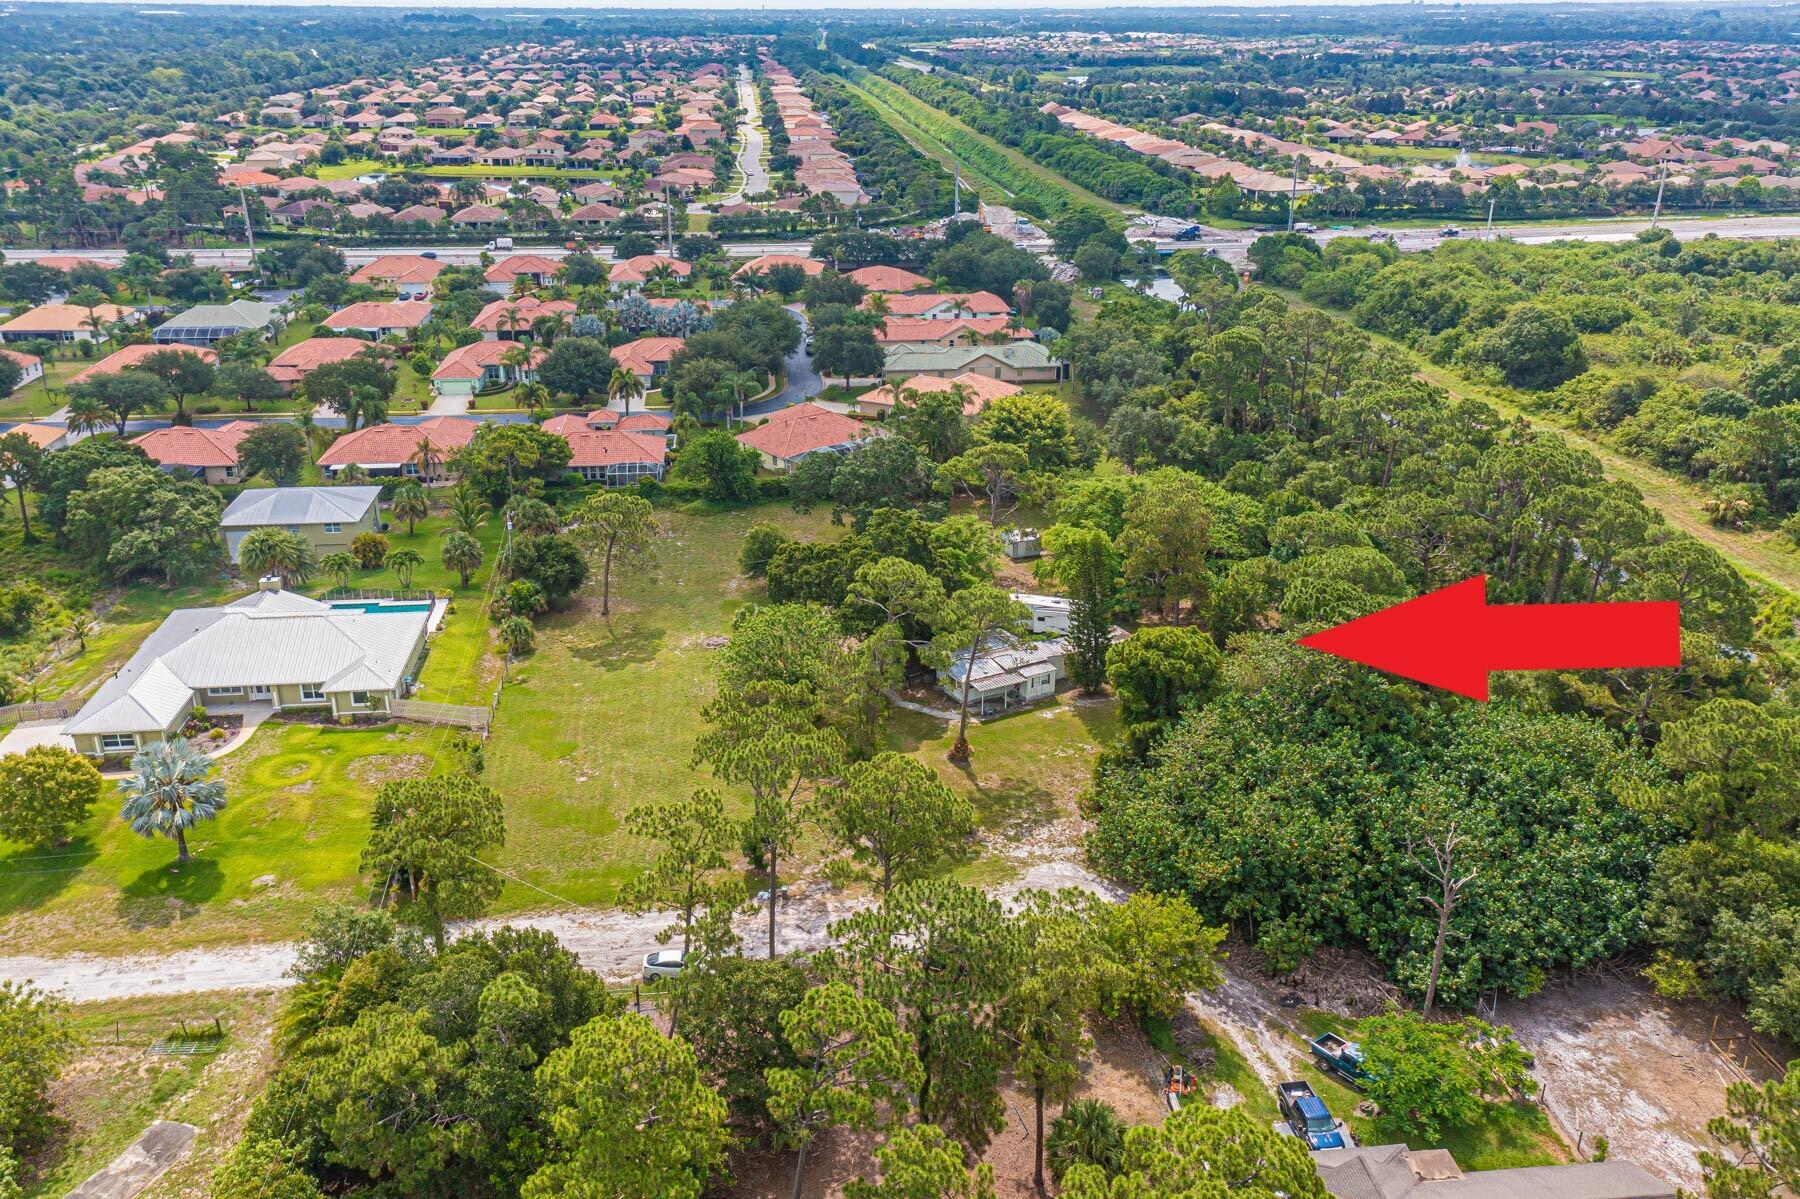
(1452, 637)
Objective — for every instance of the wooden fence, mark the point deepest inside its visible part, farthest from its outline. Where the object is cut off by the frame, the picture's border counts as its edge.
(469, 716)
(50, 709)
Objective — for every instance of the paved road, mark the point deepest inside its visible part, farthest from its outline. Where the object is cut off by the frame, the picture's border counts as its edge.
(756, 179)
(238, 259)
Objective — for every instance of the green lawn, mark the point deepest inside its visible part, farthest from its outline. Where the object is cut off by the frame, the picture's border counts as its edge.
(605, 714)
(298, 800)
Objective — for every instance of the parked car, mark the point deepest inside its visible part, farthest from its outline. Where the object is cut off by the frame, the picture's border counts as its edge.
(664, 963)
(1342, 1057)
(1449, 231)
(1308, 1117)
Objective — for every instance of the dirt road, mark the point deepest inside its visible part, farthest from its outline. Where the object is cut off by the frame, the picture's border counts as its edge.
(610, 943)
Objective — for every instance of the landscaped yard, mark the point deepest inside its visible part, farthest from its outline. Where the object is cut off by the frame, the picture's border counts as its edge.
(298, 801)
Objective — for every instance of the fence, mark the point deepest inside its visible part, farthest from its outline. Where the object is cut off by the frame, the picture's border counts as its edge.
(50, 709)
(377, 593)
(469, 716)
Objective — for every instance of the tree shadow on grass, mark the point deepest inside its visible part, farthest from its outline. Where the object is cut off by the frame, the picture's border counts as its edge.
(164, 894)
(614, 646)
(30, 878)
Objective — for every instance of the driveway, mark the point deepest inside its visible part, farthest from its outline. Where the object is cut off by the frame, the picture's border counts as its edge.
(27, 734)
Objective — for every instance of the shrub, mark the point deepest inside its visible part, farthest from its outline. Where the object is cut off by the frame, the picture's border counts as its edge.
(1087, 1132)
(369, 550)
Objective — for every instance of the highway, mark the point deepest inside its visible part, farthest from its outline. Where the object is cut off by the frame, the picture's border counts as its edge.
(1230, 244)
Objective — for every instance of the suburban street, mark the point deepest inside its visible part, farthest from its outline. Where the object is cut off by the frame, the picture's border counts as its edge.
(756, 179)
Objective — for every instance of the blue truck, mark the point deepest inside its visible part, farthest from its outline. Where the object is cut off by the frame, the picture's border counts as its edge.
(1308, 1117)
(1341, 1057)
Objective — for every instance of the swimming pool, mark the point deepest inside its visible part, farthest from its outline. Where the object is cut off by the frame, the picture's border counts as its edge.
(384, 605)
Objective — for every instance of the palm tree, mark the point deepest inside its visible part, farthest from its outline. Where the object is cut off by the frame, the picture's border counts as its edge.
(625, 386)
(340, 566)
(410, 505)
(461, 553)
(661, 273)
(403, 562)
(547, 328)
(514, 358)
(426, 456)
(534, 396)
(271, 550)
(90, 298)
(87, 415)
(81, 626)
(468, 511)
(168, 792)
(739, 383)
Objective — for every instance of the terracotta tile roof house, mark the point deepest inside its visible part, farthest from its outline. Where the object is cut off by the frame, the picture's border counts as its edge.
(126, 356)
(44, 437)
(389, 449)
(410, 275)
(467, 369)
(62, 322)
(69, 262)
(962, 331)
(764, 262)
(208, 453)
(793, 433)
(981, 389)
(615, 457)
(506, 320)
(647, 357)
(303, 357)
(637, 270)
(419, 214)
(948, 305)
(378, 319)
(596, 213)
(889, 279)
(538, 269)
(30, 364)
(477, 215)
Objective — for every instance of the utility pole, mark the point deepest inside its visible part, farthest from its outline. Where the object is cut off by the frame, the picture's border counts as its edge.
(1661, 182)
(249, 234)
(956, 184)
(1489, 235)
(1293, 193)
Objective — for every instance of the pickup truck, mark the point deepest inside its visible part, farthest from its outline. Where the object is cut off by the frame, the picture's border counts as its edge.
(1308, 1116)
(1343, 1058)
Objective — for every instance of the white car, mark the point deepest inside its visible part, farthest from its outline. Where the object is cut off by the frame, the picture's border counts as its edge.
(664, 963)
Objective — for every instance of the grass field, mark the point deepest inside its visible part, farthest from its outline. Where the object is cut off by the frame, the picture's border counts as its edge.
(298, 801)
(993, 168)
(605, 714)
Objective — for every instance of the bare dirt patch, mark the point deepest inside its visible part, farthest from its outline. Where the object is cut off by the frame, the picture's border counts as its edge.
(384, 768)
(1616, 1061)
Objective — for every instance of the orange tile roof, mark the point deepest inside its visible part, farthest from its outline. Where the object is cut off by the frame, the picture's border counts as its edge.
(186, 445)
(641, 356)
(637, 270)
(41, 435)
(604, 447)
(802, 429)
(508, 269)
(888, 278)
(528, 308)
(974, 303)
(399, 268)
(390, 445)
(471, 361)
(981, 388)
(304, 357)
(763, 262)
(126, 356)
(925, 329)
(374, 314)
(25, 361)
(62, 318)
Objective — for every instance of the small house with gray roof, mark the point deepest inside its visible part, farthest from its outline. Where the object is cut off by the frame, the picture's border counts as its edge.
(328, 518)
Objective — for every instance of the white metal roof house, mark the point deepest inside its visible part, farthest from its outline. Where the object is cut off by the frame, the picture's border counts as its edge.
(1014, 672)
(1049, 613)
(327, 517)
(271, 647)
